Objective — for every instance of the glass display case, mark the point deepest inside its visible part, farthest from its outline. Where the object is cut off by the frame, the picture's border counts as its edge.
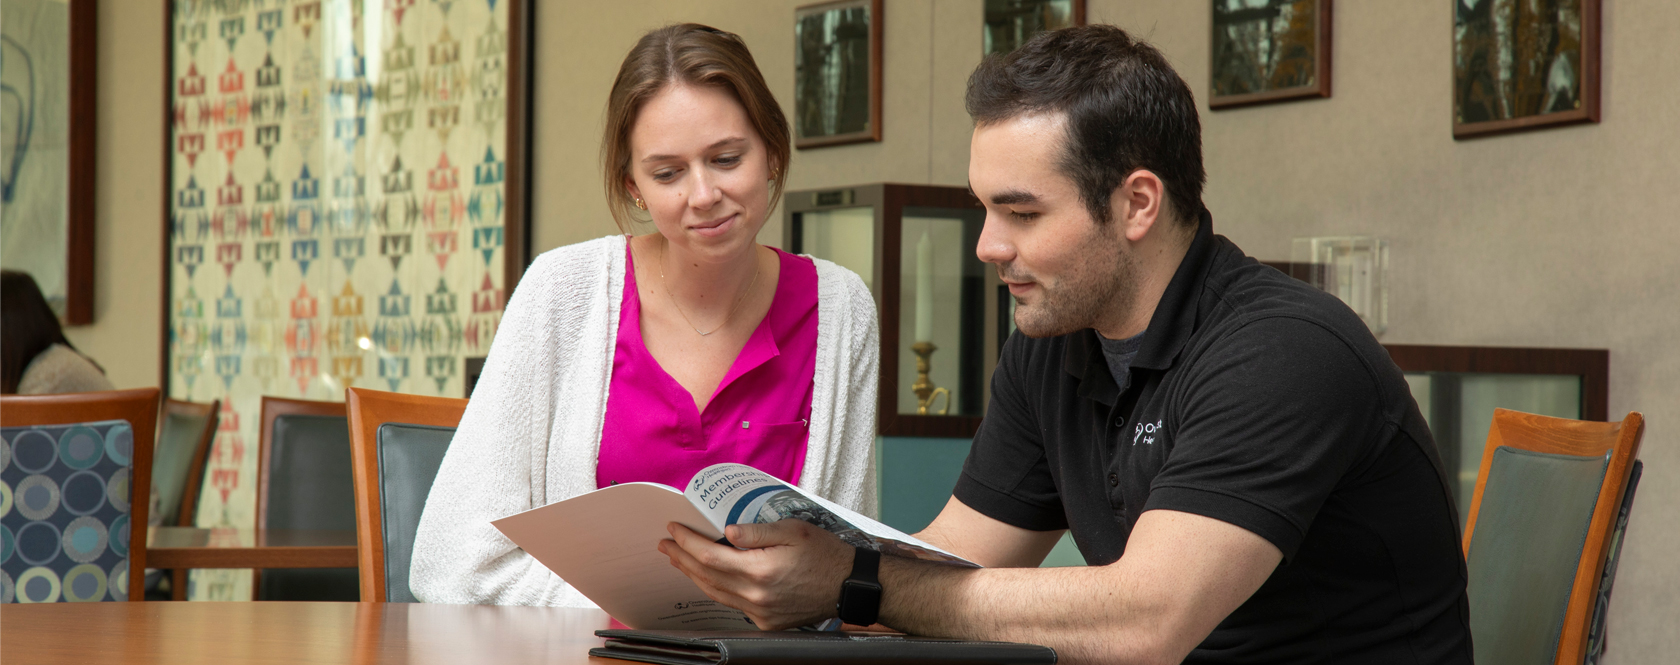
(1352, 268)
(1458, 387)
(914, 246)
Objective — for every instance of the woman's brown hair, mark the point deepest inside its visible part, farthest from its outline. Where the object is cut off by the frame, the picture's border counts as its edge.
(697, 55)
(28, 327)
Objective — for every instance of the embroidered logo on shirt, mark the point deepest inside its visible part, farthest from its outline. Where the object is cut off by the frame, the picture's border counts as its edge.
(1146, 432)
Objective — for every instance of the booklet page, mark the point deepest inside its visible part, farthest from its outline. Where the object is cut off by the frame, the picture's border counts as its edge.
(739, 494)
(606, 545)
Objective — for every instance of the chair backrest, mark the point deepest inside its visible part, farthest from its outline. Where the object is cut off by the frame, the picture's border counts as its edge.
(304, 482)
(303, 465)
(72, 466)
(398, 442)
(183, 443)
(409, 457)
(1542, 520)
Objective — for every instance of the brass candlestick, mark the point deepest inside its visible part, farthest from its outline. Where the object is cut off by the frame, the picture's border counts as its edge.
(925, 391)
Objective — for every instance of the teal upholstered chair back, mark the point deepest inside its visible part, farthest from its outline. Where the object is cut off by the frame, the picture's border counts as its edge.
(304, 482)
(1540, 534)
(178, 460)
(398, 441)
(409, 457)
(307, 485)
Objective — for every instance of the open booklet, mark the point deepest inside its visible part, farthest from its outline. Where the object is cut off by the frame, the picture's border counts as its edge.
(605, 543)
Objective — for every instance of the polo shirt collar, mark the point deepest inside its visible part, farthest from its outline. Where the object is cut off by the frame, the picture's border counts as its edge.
(1175, 315)
(1169, 328)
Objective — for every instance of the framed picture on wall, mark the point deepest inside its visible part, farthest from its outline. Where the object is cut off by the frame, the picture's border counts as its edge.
(1269, 51)
(346, 207)
(1522, 65)
(47, 122)
(1010, 23)
(837, 73)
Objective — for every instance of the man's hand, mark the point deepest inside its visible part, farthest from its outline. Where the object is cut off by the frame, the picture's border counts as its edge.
(787, 575)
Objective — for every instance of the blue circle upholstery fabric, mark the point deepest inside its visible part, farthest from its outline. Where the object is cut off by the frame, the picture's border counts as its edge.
(64, 512)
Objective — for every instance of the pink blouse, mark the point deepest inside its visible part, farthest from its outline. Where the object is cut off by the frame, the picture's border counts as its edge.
(758, 416)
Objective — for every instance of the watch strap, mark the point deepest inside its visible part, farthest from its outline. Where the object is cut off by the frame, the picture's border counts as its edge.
(860, 594)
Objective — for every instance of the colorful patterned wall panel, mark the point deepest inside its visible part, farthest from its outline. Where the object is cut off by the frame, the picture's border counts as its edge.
(337, 212)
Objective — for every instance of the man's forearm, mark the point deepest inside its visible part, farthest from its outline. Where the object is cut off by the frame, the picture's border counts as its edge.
(1181, 575)
(1085, 614)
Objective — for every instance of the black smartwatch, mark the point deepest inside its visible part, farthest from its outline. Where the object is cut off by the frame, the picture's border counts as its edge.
(860, 594)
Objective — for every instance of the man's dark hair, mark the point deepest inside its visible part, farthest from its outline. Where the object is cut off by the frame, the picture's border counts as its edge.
(1126, 110)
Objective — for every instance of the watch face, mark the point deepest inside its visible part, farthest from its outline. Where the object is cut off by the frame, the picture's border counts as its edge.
(860, 602)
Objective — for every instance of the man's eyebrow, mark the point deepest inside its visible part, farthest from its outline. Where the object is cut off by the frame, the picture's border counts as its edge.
(1014, 197)
(714, 146)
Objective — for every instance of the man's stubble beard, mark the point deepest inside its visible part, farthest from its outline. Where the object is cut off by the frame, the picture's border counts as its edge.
(1102, 288)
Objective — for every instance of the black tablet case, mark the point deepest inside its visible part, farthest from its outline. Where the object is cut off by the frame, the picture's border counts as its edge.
(690, 647)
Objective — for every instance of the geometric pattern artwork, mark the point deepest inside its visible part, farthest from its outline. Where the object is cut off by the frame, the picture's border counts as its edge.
(64, 512)
(337, 211)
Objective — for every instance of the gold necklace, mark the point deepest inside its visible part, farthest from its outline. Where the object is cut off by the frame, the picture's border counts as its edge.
(757, 267)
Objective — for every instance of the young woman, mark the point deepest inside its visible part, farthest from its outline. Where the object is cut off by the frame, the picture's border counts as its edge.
(648, 358)
(35, 357)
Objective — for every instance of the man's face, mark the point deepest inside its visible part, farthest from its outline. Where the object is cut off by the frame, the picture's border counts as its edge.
(1066, 271)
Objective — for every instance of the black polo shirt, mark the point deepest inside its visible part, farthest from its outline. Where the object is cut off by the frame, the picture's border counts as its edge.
(1258, 401)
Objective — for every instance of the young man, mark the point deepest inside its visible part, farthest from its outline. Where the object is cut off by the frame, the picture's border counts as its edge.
(1239, 461)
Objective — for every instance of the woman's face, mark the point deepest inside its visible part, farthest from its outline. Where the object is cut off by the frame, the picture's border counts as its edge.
(702, 170)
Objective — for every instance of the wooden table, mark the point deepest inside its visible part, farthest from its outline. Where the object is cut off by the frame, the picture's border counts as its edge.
(293, 632)
(187, 547)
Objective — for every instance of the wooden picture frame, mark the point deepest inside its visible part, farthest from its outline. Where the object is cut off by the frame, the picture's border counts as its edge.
(1478, 112)
(49, 99)
(1235, 79)
(823, 116)
(995, 16)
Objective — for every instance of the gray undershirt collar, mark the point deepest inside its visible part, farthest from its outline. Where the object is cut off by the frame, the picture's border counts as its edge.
(1119, 353)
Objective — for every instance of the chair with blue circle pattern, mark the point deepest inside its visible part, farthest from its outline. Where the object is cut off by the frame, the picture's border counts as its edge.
(70, 467)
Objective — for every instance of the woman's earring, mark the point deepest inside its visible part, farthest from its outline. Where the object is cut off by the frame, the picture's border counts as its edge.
(641, 204)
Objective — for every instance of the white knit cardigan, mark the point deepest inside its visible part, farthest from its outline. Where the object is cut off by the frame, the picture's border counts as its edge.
(530, 435)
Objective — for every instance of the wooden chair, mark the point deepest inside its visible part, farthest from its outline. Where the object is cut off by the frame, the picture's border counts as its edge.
(1542, 521)
(183, 445)
(384, 430)
(138, 407)
(313, 491)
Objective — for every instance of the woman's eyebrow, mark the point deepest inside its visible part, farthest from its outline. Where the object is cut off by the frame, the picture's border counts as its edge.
(720, 143)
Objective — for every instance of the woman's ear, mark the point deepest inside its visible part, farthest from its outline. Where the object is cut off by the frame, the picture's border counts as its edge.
(630, 185)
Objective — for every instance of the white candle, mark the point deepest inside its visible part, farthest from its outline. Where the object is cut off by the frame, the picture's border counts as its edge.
(924, 289)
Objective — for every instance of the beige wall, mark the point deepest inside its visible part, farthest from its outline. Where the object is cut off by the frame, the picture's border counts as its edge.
(1554, 238)
(925, 129)
(129, 205)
